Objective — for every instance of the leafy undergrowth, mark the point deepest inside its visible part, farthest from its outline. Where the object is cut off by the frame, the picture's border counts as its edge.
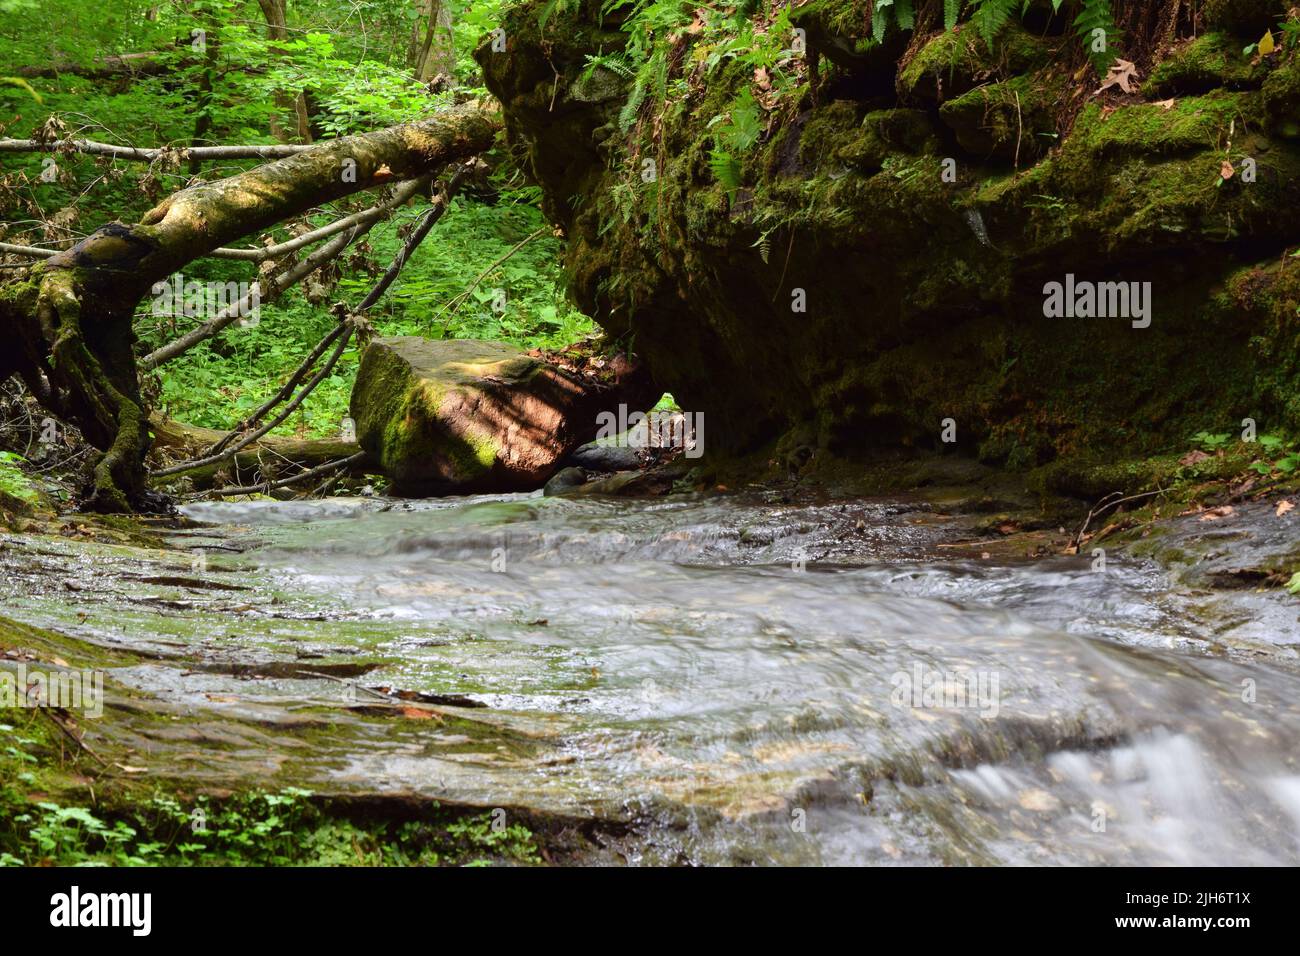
(15, 487)
(130, 826)
(518, 299)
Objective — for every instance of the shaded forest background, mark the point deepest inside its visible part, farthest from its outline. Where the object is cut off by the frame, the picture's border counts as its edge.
(214, 72)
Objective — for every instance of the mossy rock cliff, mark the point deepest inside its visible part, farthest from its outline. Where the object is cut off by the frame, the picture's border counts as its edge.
(875, 261)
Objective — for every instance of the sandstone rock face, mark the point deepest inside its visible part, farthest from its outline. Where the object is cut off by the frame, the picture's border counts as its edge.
(463, 416)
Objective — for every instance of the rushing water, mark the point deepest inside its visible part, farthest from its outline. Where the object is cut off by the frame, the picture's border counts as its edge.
(741, 681)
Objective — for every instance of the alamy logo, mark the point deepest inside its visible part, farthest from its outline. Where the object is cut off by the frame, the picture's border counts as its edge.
(1100, 300)
(134, 910)
(663, 429)
(60, 689)
(208, 299)
(925, 688)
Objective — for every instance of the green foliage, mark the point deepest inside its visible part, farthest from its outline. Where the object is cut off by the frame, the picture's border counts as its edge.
(1211, 442)
(252, 828)
(14, 483)
(951, 11)
(1095, 26)
(351, 64)
(990, 17)
(899, 13)
(1273, 454)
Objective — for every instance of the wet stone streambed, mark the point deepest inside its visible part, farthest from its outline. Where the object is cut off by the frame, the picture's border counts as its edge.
(704, 680)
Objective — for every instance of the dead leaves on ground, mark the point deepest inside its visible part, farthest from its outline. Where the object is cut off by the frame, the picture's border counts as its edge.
(1215, 514)
(1123, 74)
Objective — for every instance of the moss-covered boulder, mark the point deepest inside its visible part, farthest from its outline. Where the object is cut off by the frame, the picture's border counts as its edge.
(1204, 63)
(868, 266)
(956, 61)
(1012, 120)
(462, 416)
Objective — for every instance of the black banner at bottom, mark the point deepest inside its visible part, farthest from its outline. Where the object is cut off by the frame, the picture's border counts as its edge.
(380, 907)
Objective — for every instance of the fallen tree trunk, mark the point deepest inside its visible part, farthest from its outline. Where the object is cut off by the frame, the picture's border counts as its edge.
(69, 318)
(269, 458)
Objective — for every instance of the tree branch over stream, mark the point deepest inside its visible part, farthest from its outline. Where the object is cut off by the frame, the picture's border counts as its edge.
(69, 316)
(222, 450)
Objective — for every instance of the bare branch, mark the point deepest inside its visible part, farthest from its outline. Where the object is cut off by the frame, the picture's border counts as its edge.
(30, 251)
(149, 155)
(288, 410)
(376, 212)
(266, 486)
(276, 286)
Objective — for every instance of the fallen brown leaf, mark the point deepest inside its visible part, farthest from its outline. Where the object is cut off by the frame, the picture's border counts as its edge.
(1283, 507)
(1214, 514)
(1122, 74)
(418, 713)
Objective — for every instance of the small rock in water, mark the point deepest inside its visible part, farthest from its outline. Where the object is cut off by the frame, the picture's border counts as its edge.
(597, 457)
(563, 480)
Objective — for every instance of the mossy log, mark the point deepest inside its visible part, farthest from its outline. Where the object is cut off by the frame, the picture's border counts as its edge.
(272, 457)
(70, 316)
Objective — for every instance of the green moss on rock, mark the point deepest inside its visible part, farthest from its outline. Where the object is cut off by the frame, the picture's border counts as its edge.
(1010, 120)
(1282, 100)
(956, 61)
(1203, 64)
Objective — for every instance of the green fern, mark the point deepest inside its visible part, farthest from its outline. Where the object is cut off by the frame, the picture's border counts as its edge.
(951, 12)
(991, 16)
(902, 13)
(1096, 15)
(614, 62)
(725, 168)
(627, 115)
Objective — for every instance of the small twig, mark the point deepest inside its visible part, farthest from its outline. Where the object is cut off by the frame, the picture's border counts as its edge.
(1104, 505)
(459, 300)
(1020, 131)
(73, 737)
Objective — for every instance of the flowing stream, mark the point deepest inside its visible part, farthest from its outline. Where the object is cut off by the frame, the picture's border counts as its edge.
(728, 679)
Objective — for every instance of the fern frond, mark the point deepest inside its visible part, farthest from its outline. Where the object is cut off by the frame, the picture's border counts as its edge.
(951, 11)
(904, 15)
(1096, 15)
(990, 17)
(880, 19)
(725, 168)
(627, 115)
(614, 62)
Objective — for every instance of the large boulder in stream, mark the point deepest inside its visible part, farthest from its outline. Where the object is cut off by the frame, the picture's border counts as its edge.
(463, 416)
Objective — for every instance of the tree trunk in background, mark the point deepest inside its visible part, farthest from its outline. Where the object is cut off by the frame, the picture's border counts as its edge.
(431, 49)
(207, 80)
(68, 322)
(277, 28)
